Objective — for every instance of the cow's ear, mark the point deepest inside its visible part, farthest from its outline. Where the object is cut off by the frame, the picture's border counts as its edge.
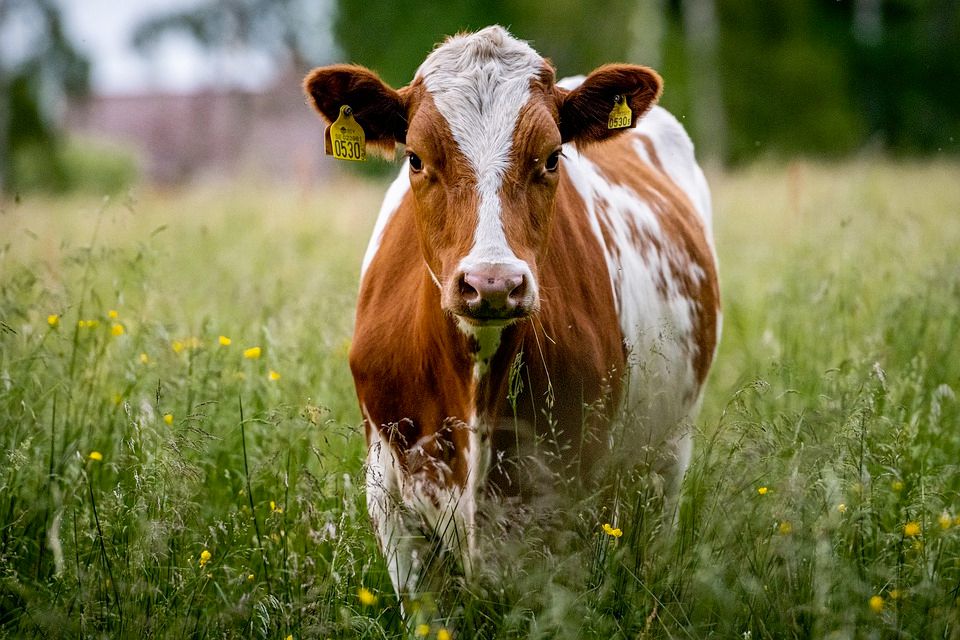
(379, 109)
(585, 111)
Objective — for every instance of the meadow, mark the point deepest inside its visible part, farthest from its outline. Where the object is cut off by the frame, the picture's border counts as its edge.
(181, 451)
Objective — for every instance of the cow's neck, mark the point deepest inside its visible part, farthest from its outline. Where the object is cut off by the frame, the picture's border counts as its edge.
(481, 356)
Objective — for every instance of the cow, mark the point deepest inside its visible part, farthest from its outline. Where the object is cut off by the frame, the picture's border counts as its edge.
(534, 266)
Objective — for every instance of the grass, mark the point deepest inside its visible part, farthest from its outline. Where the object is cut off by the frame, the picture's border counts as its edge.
(227, 496)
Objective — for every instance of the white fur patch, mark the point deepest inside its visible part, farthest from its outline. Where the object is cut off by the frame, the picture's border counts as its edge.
(391, 202)
(488, 341)
(656, 317)
(479, 83)
(675, 150)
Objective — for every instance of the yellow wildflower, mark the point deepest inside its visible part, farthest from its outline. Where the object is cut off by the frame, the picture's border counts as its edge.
(252, 353)
(610, 531)
(443, 634)
(224, 341)
(53, 320)
(168, 418)
(422, 630)
(895, 594)
(88, 324)
(289, 637)
(945, 520)
(367, 598)
(144, 358)
(96, 455)
(911, 529)
(897, 486)
(842, 508)
(249, 577)
(785, 527)
(112, 314)
(273, 375)
(205, 557)
(762, 491)
(177, 346)
(876, 604)
(116, 329)
(274, 508)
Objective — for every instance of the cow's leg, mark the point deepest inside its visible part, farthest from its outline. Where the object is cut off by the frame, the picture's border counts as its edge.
(400, 544)
(672, 467)
(422, 517)
(446, 471)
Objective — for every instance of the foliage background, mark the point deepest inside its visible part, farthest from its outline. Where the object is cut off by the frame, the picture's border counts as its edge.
(749, 79)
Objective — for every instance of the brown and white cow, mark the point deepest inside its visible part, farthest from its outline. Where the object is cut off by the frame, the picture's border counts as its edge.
(522, 235)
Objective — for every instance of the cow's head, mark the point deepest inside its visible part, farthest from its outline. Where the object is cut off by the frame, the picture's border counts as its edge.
(484, 125)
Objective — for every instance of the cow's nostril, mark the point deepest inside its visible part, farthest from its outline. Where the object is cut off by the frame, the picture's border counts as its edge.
(516, 289)
(467, 292)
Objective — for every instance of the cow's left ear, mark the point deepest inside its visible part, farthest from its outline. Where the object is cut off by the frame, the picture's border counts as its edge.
(585, 110)
(378, 108)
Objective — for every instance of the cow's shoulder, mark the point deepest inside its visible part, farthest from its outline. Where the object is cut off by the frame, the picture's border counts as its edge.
(665, 144)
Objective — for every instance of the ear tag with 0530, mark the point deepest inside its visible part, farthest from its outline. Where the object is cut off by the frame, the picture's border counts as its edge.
(621, 116)
(344, 139)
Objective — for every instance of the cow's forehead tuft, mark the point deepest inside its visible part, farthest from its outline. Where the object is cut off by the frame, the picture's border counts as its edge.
(493, 46)
(479, 82)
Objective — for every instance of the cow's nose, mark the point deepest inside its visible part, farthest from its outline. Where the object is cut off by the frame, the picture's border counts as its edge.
(493, 291)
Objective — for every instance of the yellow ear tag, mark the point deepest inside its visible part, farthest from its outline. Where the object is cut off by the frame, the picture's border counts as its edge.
(345, 138)
(621, 117)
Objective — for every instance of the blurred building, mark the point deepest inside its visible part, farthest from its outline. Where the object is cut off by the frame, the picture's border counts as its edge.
(211, 134)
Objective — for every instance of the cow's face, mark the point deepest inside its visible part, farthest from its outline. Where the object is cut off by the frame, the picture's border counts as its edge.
(484, 124)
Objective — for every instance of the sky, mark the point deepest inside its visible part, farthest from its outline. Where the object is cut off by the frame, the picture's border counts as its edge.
(103, 30)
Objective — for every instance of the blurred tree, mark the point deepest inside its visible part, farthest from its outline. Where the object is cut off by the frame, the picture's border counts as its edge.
(786, 80)
(905, 64)
(39, 66)
(780, 77)
(290, 32)
(702, 30)
(394, 37)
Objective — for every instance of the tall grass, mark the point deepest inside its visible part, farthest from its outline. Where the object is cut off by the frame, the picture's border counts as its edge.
(158, 482)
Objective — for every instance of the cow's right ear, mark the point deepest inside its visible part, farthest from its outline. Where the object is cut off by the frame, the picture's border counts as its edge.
(378, 108)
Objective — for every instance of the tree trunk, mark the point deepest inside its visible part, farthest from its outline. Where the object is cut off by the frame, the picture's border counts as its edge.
(647, 30)
(701, 35)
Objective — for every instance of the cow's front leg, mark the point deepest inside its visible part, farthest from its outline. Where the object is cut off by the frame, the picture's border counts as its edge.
(401, 541)
(421, 513)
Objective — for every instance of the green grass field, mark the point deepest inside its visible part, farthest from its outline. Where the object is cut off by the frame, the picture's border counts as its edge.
(157, 482)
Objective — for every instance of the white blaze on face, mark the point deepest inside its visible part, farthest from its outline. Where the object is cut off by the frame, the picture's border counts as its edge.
(479, 82)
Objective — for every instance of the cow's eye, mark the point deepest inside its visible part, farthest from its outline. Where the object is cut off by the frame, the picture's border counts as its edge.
(553, 161)
(416, 164)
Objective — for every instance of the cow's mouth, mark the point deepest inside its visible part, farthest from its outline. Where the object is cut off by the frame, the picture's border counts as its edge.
(484, 314)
